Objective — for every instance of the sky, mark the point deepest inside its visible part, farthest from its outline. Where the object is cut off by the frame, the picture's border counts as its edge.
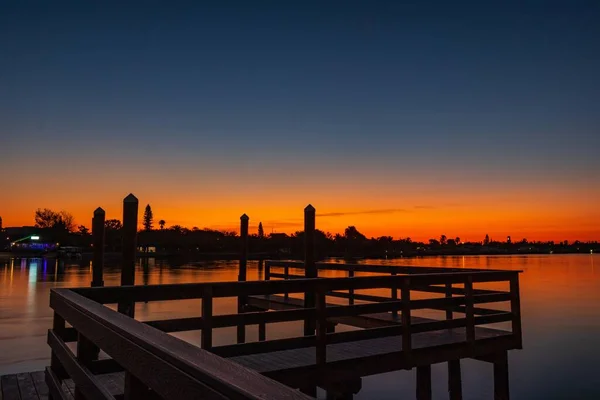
(408, 119)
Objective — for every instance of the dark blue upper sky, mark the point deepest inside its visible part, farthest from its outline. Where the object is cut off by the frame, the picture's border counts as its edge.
(495, 86)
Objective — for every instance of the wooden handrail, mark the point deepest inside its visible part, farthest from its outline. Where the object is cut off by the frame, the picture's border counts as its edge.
(407, 269)
(152, 355)
(107, 295)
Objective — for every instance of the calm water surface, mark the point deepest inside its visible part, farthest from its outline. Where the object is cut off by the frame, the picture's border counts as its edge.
(560, 300)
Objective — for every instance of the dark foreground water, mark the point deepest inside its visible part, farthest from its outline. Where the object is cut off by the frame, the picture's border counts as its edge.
(560, 300)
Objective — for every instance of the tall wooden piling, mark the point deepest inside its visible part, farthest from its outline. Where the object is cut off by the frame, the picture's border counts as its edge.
(242, 272)
(310, 268)
(424, 382)
(130, 216)
(501, 386)
(98, 244)
(454, 380)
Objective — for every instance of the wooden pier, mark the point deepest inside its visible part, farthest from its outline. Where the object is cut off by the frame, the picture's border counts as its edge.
(394, 318)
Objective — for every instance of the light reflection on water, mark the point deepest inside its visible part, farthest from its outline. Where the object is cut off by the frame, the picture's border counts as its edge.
(560, 299)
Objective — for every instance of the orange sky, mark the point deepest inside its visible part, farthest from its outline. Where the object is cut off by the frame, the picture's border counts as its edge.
(466, 207)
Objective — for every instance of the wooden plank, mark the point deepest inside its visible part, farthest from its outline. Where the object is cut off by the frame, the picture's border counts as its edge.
(40, 384)
(372, 356)
(264, 346)
(10, 387)
(251, 288)
(55, 386)
(26, 387)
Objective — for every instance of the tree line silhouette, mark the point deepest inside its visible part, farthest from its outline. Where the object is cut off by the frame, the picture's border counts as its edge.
(178, 240)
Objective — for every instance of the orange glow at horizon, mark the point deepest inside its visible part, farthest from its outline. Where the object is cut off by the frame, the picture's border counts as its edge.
(532, 213)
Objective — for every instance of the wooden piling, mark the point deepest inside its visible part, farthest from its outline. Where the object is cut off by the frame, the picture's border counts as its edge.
(130, 216)
(310, 268)
(207, 306)
(454, 380)
(242, 274)
(98, 244)
(424, 382)
(469, 310)
(405, 317)
(501, 387)
(515, 308)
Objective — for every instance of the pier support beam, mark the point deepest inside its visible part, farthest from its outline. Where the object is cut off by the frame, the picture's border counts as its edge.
(454, 380)
(310, 268)
(501, 388)
(242, 272)
(130, 215)
(424, 382)
(98, 244)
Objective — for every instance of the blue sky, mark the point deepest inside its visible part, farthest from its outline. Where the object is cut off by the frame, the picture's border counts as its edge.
(433, 88)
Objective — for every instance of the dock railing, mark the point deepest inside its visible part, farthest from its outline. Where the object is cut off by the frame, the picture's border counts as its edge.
(163, 366)
(454, 283)
(156, 365)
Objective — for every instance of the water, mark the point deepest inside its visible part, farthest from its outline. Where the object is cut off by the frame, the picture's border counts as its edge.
(560, 301)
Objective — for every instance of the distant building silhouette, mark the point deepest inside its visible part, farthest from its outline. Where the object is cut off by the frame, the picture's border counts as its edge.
(508, 240)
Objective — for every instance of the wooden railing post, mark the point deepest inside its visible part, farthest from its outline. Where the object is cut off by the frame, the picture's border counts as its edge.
(515, 308)
(406, 331)
(449, 312)
(86, 353)
(350, 291)
(286, 273)
(267, 271)
(321, 319)
(241, 328)
(58, 326)
(134, 389)
(454, 374)
(130, 214)
(207, 305)
(310, 270)
(98, 244)
(469, 309)
(394, 295)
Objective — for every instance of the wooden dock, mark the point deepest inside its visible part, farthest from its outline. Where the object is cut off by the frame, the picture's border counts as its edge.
(386, 312)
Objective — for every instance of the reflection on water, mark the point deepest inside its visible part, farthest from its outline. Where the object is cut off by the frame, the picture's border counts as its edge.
(560, 296)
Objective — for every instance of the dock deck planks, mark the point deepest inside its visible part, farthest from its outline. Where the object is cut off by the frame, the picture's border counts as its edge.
(357, 351)
(32, 385)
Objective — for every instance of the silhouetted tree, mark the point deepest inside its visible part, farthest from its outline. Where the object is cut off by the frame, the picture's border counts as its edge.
(46, 218)
(176, 228)
(486, 241)
(434, 242)
(351, 233)
(457, 240)
(261, 232)
(443, 240)
(162, 223)
(83, 230)
(148, 218)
